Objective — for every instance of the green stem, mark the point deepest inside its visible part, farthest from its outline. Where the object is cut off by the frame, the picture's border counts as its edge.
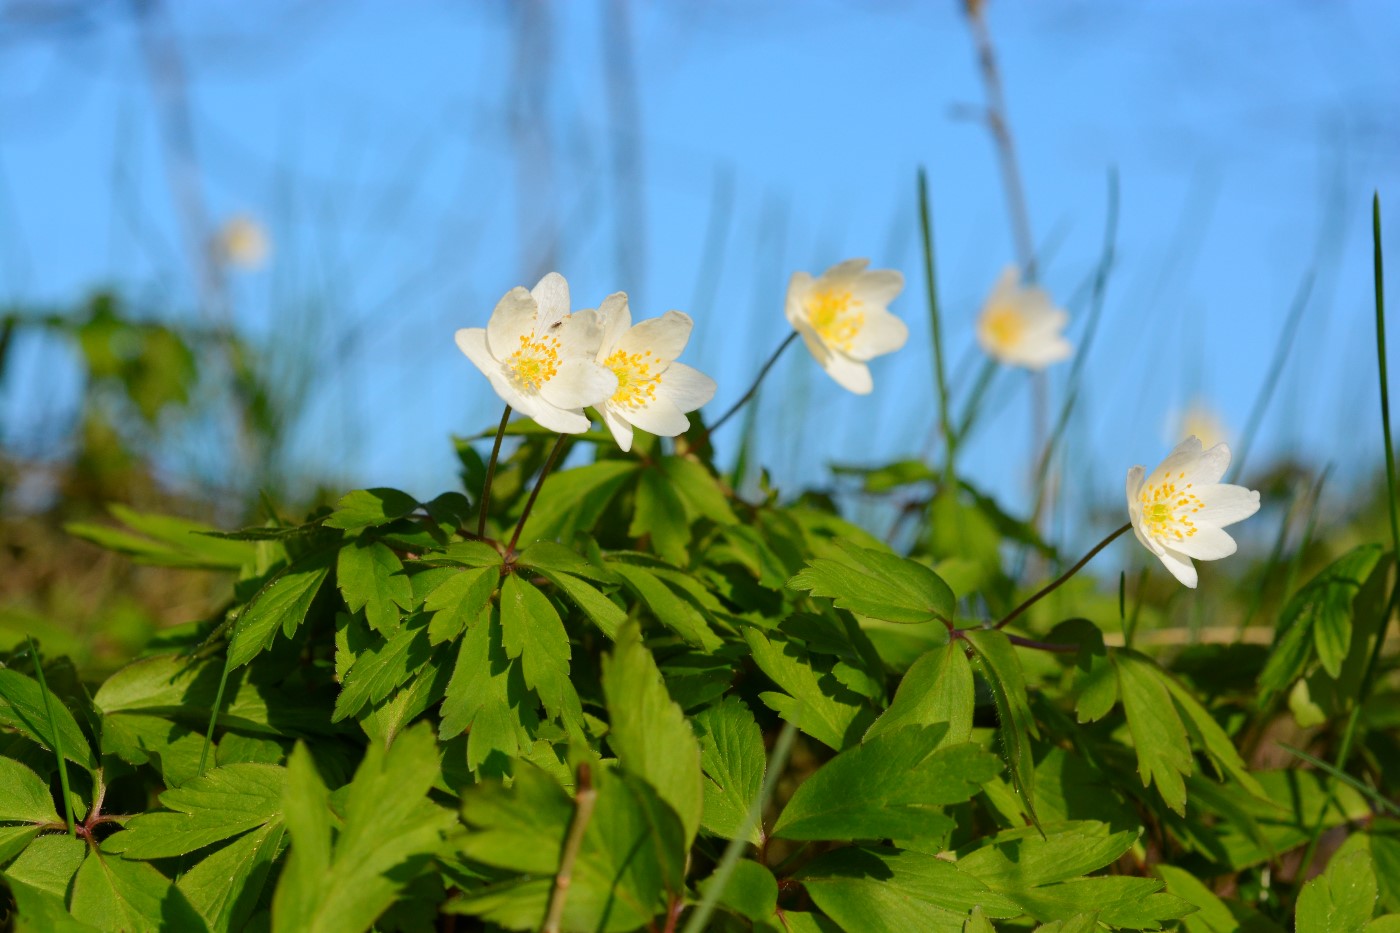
(782, 748)
(1059, 581)
(534, 493)
(57, 738)
(743, 400)
(585, 797)
(214, 716)
(485, 503)
(935, 324)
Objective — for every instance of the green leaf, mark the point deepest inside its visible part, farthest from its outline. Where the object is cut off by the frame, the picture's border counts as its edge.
(1119, 901)
(632, 856)
(283, 602)
(49, 864)
(391, 831)
(660, 514)
(891, 786)
(468, 554)
(550, 555)
(936, 689)
(1095, 682)
(878, 584)
(225, 887)
(1341, 899)
(371, 577)
(43, 911)
(1017, 859)
(999, 665)
(165, 541)
(677, 614)
(486, 695)
(977, 922)
(217, 805)
(1211, 737)
(114, 894)
(815, 702)
(575, 499)
(649, 733)
(1319, 615)
(1159, 738)
(24, 796)
(380, 670)
(882, 890)
(733, 760)
(370, 508)
(751, 891)
(1213, 915)
(22, 707)
(532, 631)
(457, 602)
(699, 488)
(600, 610)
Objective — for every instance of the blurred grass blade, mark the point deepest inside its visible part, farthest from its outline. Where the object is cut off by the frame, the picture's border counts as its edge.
(936, 325)
(1376, 799)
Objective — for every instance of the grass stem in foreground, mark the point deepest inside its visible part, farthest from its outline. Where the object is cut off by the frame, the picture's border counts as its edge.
(57, 737)
(940, 374)
(1059, 581)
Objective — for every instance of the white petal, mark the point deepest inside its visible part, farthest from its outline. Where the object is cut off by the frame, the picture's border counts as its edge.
(1223, 505)
(815, 345)
(687, 388)
(616, 318)
(620, 428)
(579, 334)
(853, 375)
(882, 332)
(579, 383)
(845, 270)
(878, 287)
(1182, 458)
(659, 416)
(1208, 543)
(1180, 566)
(1006, 288)
(472, 342)
(551, 295)
(1134, 487)
(513, 318)
(565, 421)
(799, 286)
(664, 336)
(1210, 467)
(1038, 354)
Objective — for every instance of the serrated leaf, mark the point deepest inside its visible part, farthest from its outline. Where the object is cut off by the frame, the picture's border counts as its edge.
(486, 695)
(532, 631)
(600, 610)
(937, 688)
(1159, 738)
(659, 513)
(1212, 915)
(733, 760)
(1211, 737)
(370, 508)
(114, 894)
(1096, 681)
(815, 702)
(998, 664)
(552, 556)
(22, 707)
(164, 540)
(649, 733)
(371, 578)
(878, 584)
(574, 499)
(890, 786)
(882, 890)
(219, 804)
(1319, 617)
(1119, 901)
(24, 796)
(380, 670)
(667, 607)
(225, 887)
(283, 603)
(699, 488)
(458, 601)
(1017, 859)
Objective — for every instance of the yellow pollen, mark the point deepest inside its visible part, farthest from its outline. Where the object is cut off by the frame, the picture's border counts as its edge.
(1167, 510)
(534, 363)
(1003, 326)
(834, 317)
(638, 375)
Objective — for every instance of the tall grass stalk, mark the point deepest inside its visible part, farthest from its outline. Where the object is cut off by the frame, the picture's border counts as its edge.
(57, 736)
(940, 373)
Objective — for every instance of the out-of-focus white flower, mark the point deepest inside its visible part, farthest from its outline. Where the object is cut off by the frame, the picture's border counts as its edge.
(1179, 511)
(653, 391)
(243, 242)
(843, 318)
(1202, 421)
(1021, 326)
(539, 357)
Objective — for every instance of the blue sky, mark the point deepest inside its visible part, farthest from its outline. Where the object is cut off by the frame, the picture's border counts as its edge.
(415, 161)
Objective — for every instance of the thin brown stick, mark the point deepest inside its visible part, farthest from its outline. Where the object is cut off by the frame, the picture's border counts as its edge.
(1060, 580)
(534, 494)
(749, 394)
(584, 799)
(485, 502)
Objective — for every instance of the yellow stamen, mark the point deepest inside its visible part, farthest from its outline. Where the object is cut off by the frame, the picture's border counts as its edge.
(535, 363)
(1004, 326)
(638, 375)
(834, 317)
(1167, 509)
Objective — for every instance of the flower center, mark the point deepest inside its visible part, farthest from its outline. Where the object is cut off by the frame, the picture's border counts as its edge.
(638, 375)
(1167, 509)
(833, 316)
(1004, 325)
(535, 363)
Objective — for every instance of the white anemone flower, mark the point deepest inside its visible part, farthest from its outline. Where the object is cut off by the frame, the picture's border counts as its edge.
(1202, 421)
(843, 318)
(242, 242)
(654, 392)
(1178, 512)
(539, 357)
(1020, 325)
